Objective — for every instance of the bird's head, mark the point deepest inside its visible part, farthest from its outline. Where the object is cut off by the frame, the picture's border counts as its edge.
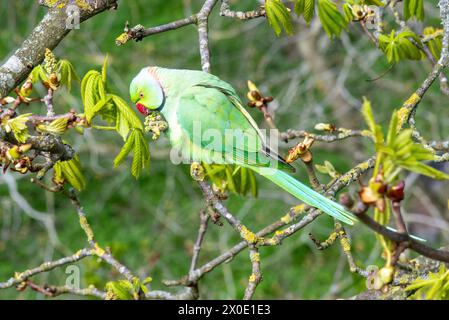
(146, 91)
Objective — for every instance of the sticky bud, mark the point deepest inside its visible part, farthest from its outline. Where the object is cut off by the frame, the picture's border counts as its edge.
(306, 157)
(396, 193)
(324, 127)
(301, 150)
(26, 88)
(386, 274)
(252, 86)
(13, 153)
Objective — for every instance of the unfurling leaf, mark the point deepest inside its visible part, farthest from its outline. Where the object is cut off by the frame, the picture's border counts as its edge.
(119, 290)
(104, 69)
(377, 3)
(434, 287)
(66, 73)
(37, 74)
(278, 16)
(328, 169)
(399, 151)
(434, 44)
(91, 112)
(376, 130)
(90, 90)
(306, 8)
(400, 47)
(413, 8)
(233, 178)
(18, 127)
(331, 19)
(127, 112)
(347, 12)
(70, 171)
(97, 100)
(58, 126)
(141, 154)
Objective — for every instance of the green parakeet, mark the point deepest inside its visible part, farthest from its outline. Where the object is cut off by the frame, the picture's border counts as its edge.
(207, 123)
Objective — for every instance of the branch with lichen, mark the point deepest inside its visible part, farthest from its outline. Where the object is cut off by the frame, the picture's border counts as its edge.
(256, 275)
(309, 215)
(334, 134)
(47, 34)
(20, 277)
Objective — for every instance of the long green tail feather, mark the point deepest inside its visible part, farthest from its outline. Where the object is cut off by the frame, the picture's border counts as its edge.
(306, 194)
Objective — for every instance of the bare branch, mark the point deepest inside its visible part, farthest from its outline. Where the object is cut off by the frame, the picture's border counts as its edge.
(225, 11)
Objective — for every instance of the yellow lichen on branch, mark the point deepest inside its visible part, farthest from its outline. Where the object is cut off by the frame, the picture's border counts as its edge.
(249, 236)
(406, 109)
(85, 226)
(122, 39)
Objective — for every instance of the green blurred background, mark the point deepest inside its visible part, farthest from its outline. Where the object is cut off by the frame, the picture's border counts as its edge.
(151, 224)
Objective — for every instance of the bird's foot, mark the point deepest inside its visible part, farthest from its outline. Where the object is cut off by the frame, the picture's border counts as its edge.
(197, 171)
(155, 124)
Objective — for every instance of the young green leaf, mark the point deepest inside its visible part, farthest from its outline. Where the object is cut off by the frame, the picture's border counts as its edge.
(127, 112)
(91, 112)
(375, 129)
(413, 8)
(18, 127)
(67, 73)
(278, 16)
(233, 178)
(377, 3)
(331, 19)
(104, 69)
(347, 12)
(119, 290)
(71, 172)
(306, 8)
(37, 74)
(434, 44)
(434, 287)
(141, 154)
(57, 126)
(400, 47)
(126, 149)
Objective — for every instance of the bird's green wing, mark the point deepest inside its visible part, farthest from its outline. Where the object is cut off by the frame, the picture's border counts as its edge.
(225, 127)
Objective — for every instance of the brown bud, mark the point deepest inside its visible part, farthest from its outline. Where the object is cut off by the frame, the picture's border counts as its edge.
(367, 195)
(301, 150)
(259, 104)
(255, 95)
(346, 200)
(306, 157)
(396, 193)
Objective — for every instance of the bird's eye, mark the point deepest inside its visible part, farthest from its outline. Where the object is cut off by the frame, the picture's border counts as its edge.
(141, 95)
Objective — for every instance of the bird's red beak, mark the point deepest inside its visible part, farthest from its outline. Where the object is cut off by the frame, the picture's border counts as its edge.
(142, 109)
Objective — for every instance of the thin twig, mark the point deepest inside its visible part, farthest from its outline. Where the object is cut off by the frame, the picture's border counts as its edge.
(225, 11)
(204, 219)
(256, 275)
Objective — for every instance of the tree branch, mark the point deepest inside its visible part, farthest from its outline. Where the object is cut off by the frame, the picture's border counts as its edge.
(47, 34)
